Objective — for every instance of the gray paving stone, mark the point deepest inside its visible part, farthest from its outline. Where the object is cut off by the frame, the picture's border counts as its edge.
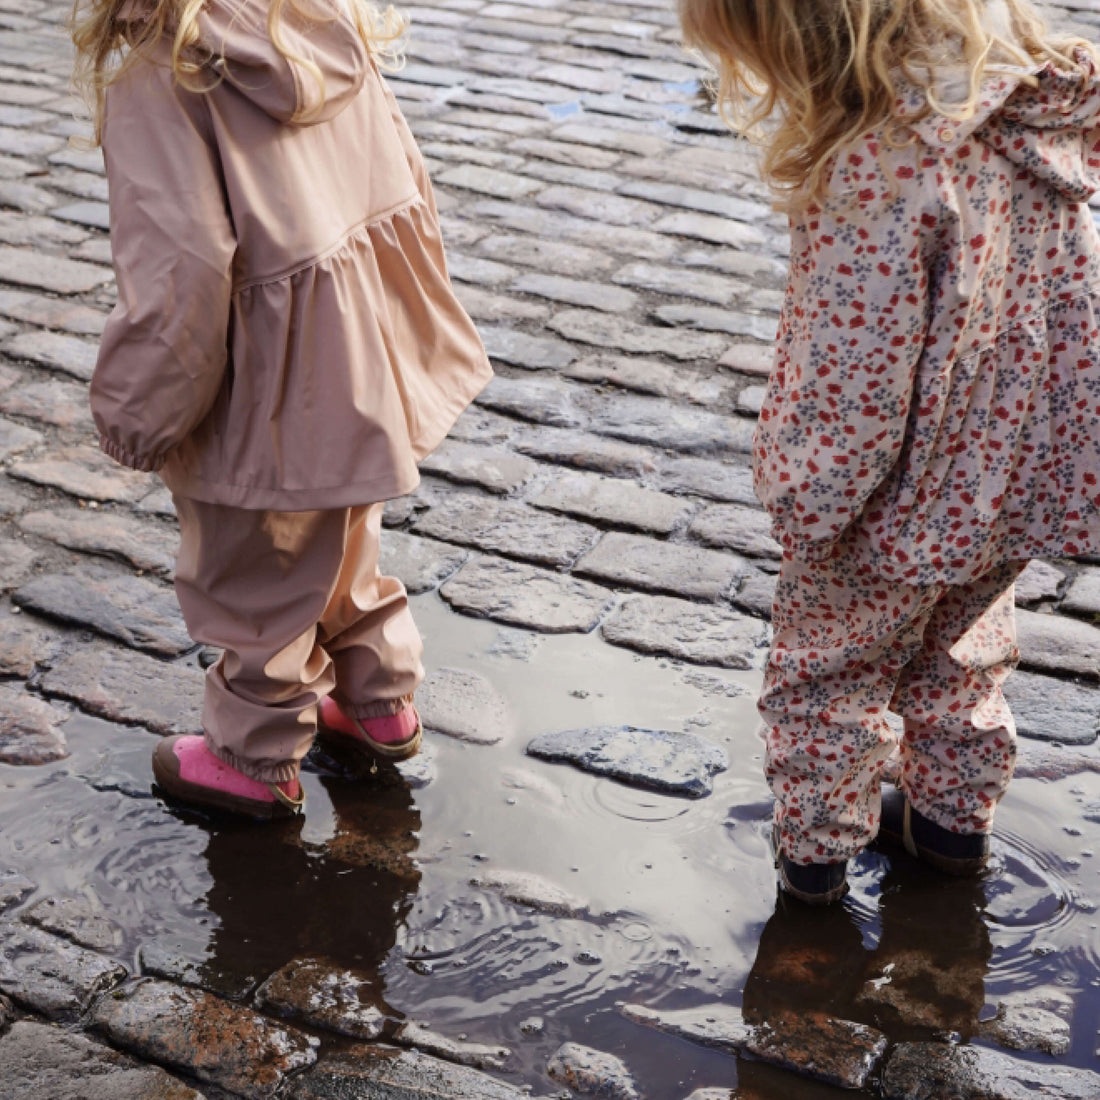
(26, 641)
(229, 978)
(521, 595)
(325, 996)
(489, 181)
(479, 1055)
(1052, 643)
(837, 1051)
(473, 269)
(25, 267)
(515, 530)
(1083, 595)
(675, 763)
(420, 564)
(97, 215)
(210, 1039)
(732, 527)
(122, 685)
(494, 469)
(547, 255)
(757, 595)
(705, 227)
(687, 631)
(576, 292)
(51, 976)
(641, 562)
(85, 472)
(544, 400)
(676, 280)
(751, 400)
(654, 421)
(601, 330)
(518, 349)
(44, 1062)
(30, 729)
(716, 480)
(592, 1072)
(587, 452)
(77, 919)
(1033, 1021)
(55, 351)
(27, 229)
(483, 305)
(63, 404)
(15, 439)
(137, 541)
(85, 184)
(17, 561)
(464, 705)
(133, 610)
(725, 206)
(611, 209)
(754, 359)
(566, 152)
(650, 376)
(614, 502)
(719, 1026)
(582, 133)
(710, 319)
(12, 502)
(1054, 710)
(932, 1071)
(1038, 582)
(477, 425)
(13, 889)
(385, 1073)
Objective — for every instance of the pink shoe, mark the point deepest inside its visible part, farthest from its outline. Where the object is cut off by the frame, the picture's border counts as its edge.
(389, 737)
(186, 769)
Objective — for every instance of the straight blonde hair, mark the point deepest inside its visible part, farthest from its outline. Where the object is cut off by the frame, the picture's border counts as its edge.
(108, 39)
(806, 77)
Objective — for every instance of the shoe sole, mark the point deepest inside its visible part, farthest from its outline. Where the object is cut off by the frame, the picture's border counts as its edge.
(373, 750)
(166, 771)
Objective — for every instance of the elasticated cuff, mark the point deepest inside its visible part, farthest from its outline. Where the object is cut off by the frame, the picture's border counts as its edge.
(262, 773)
(145, 464)
(379, 708)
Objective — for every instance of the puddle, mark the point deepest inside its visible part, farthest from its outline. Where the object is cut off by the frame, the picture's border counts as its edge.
(678, 895)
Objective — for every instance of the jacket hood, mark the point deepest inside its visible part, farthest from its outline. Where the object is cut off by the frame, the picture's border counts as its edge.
(326, 44)
(1046, 119)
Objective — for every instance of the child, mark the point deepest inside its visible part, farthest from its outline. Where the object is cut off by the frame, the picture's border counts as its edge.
(933, 419)
(285, 347)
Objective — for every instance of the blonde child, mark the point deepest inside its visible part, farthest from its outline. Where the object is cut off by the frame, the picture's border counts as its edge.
(933, 419)
(285, 347)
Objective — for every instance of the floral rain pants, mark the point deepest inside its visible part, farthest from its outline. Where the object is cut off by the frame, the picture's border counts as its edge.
(847, 649)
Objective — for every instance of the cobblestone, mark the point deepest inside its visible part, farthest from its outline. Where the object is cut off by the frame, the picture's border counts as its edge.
(85, 472)
(79, 920)
(30, 729)
(544, 400)
(464, 705)
(495, 469)
(649, 376)
(106, 533)
(730, 527)
(614, 502)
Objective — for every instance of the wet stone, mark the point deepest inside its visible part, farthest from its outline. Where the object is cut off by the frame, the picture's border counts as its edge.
(687, 631)
(420, 564)
(478, 1055)
(613, 501)
(1032, 1023)
(212, 1040)
(13, 889)
(25, 642)
(747, 530)
(932, 1071)
(837, 1051)
(653, 421)
(675, 763)
(492, 468)
(1053, 643)
(464, 705)
(1039, 761)
(51, 976)
(325, 996)
(506, 528)
(384, 1073)
(533, 892)
(133, 610)
(76, 919)
(138, 542)
(522, 595)
(85, 472)
(162, 961)
(1054, 710)
(1039, 581)
(719, 1026)
(30, 729)
(663, 566)
(592, 1072)
(44, 1062)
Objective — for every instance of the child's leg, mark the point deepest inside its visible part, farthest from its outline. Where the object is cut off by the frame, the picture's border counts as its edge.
(960, 740)
(368, 630)
(256, 584)
(840, 640)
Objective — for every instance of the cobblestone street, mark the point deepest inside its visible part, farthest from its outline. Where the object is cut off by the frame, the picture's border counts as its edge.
(611, 240)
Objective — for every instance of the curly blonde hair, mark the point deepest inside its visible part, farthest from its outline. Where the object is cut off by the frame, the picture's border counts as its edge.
(819, 73)
(108, 38)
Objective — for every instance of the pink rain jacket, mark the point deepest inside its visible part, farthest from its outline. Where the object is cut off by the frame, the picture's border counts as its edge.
(935, 406)
(286, 335)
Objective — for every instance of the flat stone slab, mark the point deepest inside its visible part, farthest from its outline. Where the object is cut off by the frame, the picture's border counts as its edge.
(719, 1026)
(653, 421)
(1039, 581)
(1020, 1025)
(592, 1072)
(325, 996)
(532, 891)
(641, 562)
(44, 1062)
(837, 1051)
(421, 565)
(613, 501)
(17, 562)
(51, 976)
(25, 642)
(675, 763)
(76, 919)
(494, 469)
(747, 530)
(15, 438)
(13, 889)
(687, 631)
(479, 1055)
(30, 729)
(210, 1039)
(935, 1071)
(84, 472)
(136, 541)
(1054, 710)
(133, 610)
(162, 960)
(1083, 595)
(543, 400)
(1053, 643)
(464, 705)
(522, 595)
(122, 685)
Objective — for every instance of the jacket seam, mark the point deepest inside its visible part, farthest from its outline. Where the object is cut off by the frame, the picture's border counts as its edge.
(350, 234)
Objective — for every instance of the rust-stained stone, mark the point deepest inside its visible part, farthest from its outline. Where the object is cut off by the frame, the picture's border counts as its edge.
(30, 729)
(49, 975)
(326, 996)
(383, 1073)
(838, 1051)
(478, 1055)
(212, 1040)
(592, 1072)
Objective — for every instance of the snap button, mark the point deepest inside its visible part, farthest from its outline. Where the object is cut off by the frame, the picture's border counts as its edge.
(947, 133)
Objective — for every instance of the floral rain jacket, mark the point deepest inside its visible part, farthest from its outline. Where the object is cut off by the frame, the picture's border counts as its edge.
(935, 406)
